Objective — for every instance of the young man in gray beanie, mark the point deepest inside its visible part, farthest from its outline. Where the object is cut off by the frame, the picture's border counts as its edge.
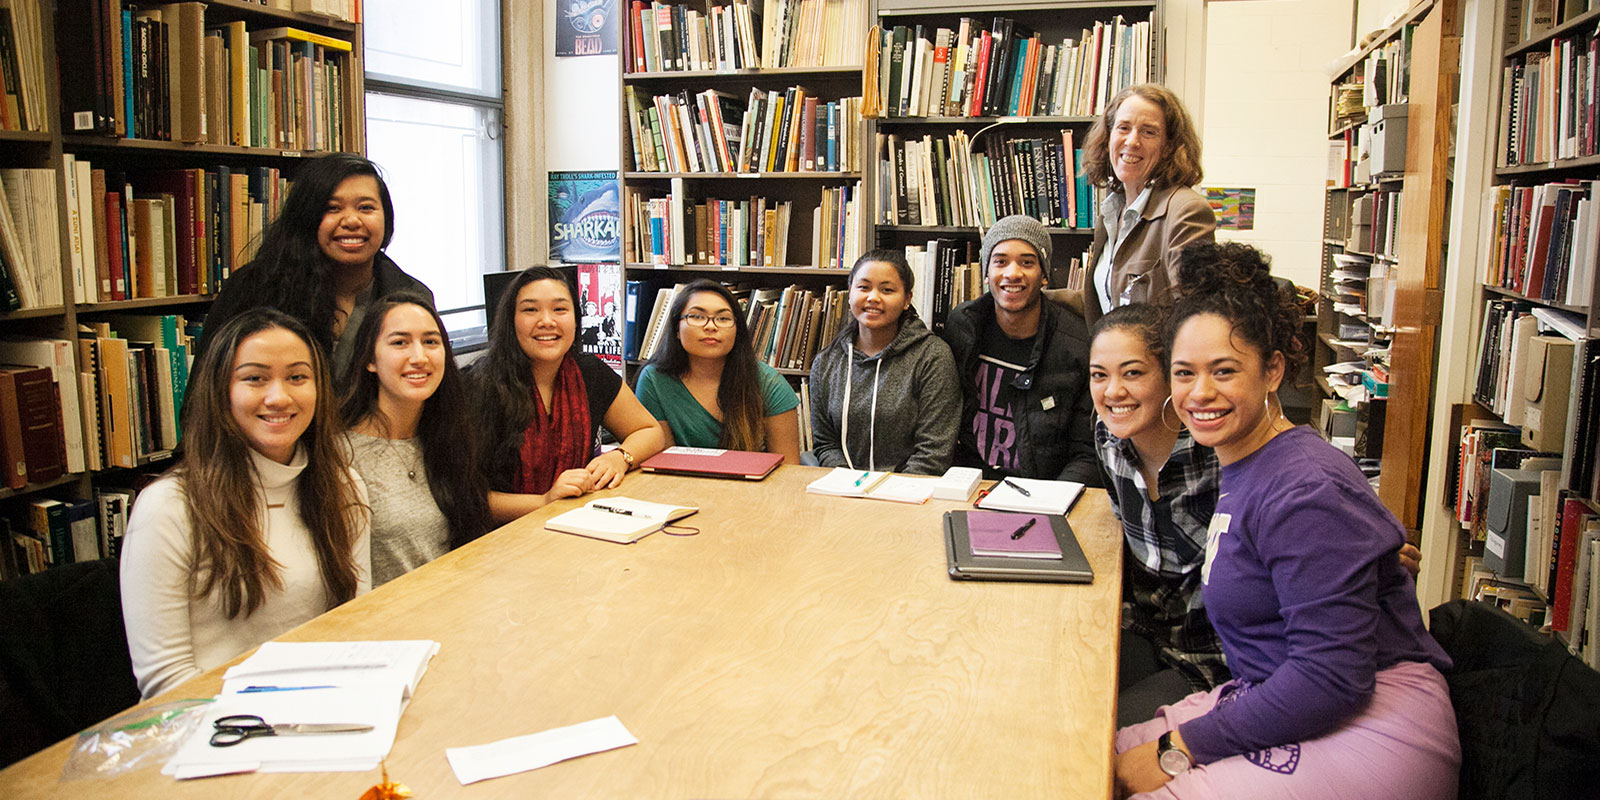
(1023, 367)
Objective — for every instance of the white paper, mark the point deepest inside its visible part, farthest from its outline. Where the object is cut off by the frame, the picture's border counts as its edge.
(522, 753)
(1044, 497)
(694, 451)
(378, 706)
(337, 663)
(904, 489)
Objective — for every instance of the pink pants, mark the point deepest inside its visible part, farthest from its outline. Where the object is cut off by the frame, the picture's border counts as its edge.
(1402, 745)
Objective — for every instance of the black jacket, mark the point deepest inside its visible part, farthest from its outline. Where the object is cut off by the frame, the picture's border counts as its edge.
(1055, 417)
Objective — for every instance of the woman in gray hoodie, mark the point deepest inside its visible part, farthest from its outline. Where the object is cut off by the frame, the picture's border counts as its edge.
(884, 394)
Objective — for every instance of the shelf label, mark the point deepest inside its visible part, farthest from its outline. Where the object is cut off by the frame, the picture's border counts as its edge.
(1012, 119)
(748, 174)
(290, 153)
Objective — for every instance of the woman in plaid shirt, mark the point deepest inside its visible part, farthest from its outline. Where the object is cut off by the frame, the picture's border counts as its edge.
(1163, 488)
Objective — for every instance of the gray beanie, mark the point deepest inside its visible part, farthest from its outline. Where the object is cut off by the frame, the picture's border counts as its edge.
(1018, 226)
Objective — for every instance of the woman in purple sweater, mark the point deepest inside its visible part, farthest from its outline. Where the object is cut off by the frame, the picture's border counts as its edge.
(1337, 691)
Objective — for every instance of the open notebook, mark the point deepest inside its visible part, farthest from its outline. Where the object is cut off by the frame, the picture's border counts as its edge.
(844, 482)
(618, 519)
(1031, 496)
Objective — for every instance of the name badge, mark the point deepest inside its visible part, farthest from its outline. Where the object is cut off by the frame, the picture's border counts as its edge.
(1048, 403)
(1219, 526)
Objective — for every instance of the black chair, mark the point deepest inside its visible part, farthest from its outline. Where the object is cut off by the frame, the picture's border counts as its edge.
(63, 655)
(1528, 712)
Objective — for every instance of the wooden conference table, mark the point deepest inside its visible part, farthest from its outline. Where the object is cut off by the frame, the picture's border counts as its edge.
(799, 646)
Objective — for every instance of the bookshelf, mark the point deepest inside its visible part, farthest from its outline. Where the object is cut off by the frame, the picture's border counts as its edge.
(958, 141)
(1523, 327)
(716, 184)
(1382, 267)
(169, 204)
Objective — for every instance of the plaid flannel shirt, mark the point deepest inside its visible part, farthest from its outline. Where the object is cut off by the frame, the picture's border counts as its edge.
(1165, 546)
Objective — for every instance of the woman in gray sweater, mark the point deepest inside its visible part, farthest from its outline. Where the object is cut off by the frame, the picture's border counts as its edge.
(884, 394)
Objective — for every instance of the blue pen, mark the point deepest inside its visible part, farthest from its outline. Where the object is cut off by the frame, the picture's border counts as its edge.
(258, 689)
(863, 477)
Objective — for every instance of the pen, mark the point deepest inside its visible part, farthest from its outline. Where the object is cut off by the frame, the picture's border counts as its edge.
(612, 509)
(1020, 490)
(257, 689)
(1017, 534)
(863, 477)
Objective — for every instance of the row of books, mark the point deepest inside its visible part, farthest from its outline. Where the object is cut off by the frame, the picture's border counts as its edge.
(752, 231)
(1547, 103)
(787, 324)
(1386, 72)
(1006, 69)
(1375, 223)
(788, 131)
(22, 70)
(1525, 376)
(1544, 240)
(940, 181)
(30, 241)
(792, 33)
(41, 429)
(133, 372)
(160, 73)
(164, 233)
(946, 273)
(47, 532)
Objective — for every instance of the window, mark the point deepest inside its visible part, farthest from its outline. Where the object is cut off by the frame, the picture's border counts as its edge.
(434, 114)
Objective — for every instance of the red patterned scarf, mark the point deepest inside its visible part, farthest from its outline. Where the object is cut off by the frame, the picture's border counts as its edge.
(556, 439)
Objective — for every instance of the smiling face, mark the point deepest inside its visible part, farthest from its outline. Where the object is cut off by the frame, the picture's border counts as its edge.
(1126, 382)
(1138, 141)
(1220, 387)
(878, 296)
(1016, 275)
(352, 227)
(710, 337)
(273, 391)
(408, 358)
(545, 320)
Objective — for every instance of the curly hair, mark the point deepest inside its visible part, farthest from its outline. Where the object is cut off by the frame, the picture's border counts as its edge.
(1180, 159)
(1234, 281)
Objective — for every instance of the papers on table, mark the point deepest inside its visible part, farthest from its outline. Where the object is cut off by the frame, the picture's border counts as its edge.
(845, 482)
(1037, 497)
(377, 705)
(957, 483)
(335, 663)
(522, 753)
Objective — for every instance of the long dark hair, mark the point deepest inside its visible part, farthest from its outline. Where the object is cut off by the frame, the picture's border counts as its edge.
(739, 392)
(1234, 281)
(289, 271)
(502, 379)
(445, 430)
(231, 555)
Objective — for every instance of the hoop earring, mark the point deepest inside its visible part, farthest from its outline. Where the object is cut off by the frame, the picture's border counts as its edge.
(1267, 401)
(1164, 405)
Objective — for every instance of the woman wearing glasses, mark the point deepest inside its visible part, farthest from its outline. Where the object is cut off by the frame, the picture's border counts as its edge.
(706, 386)
(884, 394)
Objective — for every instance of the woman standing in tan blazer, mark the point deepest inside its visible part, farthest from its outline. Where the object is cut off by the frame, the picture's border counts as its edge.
(1144, 148)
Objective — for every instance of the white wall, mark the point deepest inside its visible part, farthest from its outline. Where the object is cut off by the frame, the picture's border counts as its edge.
(1266, 119)
(582, 123)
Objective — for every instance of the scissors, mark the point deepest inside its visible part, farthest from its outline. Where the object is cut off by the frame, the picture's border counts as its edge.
(236, 728)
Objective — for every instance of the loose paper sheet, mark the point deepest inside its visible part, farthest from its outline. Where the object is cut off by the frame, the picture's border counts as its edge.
(522, 753)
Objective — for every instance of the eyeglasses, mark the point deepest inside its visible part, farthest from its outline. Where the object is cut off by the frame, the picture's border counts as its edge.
(700, 320)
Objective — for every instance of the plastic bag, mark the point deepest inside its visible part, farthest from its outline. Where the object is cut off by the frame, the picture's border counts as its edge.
(135, 739)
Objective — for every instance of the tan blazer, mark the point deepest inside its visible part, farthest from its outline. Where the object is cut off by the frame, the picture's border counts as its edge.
(1148, 258)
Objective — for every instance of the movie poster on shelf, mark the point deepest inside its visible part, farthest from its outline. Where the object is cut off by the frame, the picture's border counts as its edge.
(600, 299)
(585, 226)
(587, 27)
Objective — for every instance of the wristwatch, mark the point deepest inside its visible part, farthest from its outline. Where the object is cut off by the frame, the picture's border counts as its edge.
(627, 458)
(1172, 760)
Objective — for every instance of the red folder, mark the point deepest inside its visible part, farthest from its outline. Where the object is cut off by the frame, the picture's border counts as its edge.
(707, 463)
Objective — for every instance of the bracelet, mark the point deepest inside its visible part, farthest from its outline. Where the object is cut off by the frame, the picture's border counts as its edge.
(627, 458)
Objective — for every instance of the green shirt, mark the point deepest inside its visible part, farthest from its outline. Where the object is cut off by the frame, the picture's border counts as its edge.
(692, 425)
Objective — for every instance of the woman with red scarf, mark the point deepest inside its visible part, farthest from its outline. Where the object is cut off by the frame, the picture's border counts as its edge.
(544, 402)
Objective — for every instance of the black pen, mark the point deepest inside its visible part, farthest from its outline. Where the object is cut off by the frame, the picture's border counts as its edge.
(1017, 534)
(1020, 490)
(612, 509)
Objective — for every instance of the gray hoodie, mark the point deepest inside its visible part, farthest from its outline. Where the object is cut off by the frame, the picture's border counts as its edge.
(904, 403)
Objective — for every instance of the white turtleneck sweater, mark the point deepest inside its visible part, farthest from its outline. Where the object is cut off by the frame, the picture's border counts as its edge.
(173, 636)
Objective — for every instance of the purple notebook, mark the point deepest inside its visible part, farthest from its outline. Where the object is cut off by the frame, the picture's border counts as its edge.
(998, 534)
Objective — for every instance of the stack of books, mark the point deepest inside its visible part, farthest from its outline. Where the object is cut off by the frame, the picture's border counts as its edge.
(768, 131)
(931, 181)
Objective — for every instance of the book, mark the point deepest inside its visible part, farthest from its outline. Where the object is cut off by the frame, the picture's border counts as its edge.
(846, 482)
(623, 520)
(1031, 495)
(1002, 535)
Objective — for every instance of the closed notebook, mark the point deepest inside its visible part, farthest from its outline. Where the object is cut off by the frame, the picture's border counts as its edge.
(713, 463)
(1001, 535)
(1031, 496)
(618, 519)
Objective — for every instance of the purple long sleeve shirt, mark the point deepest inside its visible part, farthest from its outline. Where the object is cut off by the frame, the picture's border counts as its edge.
(1307, 594)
